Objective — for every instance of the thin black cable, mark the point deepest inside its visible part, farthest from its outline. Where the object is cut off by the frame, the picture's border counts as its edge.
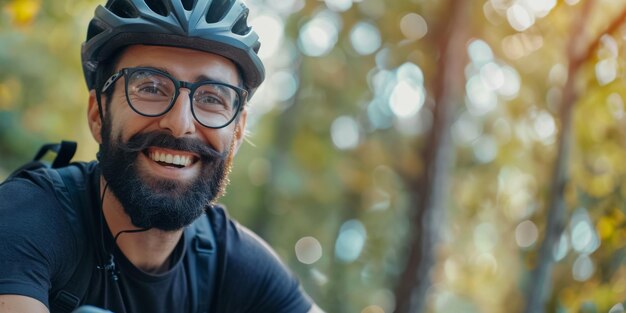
(110, 265)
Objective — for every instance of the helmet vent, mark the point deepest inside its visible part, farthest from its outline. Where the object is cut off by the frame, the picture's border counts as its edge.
(123, 9)
(241, 27)
(95, 27)
(159, 7)
(188, 4)
(218, 10)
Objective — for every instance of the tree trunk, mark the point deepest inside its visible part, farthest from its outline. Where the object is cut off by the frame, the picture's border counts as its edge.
(432, 187)
(538, 287)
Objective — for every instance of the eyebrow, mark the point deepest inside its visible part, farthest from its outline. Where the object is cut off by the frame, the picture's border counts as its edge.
(199, 78)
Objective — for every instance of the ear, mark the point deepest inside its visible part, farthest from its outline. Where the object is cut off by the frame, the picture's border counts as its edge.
(240, 130)
(93, 117)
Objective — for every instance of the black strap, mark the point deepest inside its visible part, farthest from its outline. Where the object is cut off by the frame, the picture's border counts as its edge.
(65, 151)
(204, 261)
(70, 182)
(69, 296)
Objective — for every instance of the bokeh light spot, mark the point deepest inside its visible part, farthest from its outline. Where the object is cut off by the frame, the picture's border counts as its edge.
(479, 52)
(545, 127)
(481, 98)
(338, 5)
(406, 99)
(270, 28)
(492, 75)
(345, 133)
(413, 26)
(365, 38)
(485, 237)
(540, 8)
(485, 148)
(606, 71)
(284, 84)
(583, 234)
(526, 234)
(561, 248)
(319, 35)
(308, 250)
(466, 129)
(350, 241)
(583, 268)
(511, 83)
(519, 17)
(616, 105)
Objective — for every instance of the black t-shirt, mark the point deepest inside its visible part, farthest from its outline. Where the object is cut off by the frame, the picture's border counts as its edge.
(39, 251)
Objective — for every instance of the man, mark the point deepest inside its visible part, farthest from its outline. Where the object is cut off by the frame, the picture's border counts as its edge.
(168, 80)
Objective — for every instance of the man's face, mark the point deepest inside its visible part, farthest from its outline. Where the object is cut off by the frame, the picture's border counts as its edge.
(153, 190)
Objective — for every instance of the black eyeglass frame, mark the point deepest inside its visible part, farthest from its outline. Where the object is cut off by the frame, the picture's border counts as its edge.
(242, 94)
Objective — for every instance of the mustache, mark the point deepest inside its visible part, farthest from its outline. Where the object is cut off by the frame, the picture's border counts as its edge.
(140, 142)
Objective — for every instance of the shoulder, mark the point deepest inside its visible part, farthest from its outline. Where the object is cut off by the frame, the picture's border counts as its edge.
(250, 269)
(37, 245)
(244, 249)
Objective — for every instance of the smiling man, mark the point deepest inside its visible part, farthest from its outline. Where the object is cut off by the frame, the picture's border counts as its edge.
(169, 81)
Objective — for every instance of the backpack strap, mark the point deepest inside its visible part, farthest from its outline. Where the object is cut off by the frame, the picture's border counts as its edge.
(69, 296)
(202, 264)
(64, 152)
(69, 181)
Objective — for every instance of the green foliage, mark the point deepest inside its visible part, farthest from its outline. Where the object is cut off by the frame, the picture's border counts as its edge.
(295, 181)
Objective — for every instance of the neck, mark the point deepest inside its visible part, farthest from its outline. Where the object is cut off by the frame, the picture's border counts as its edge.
(148, 250)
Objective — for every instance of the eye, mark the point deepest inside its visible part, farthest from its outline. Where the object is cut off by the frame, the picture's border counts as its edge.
(151, 89)
(205, 98)
(214, 97)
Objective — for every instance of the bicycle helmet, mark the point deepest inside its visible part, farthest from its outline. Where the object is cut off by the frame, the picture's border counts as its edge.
(215, 26)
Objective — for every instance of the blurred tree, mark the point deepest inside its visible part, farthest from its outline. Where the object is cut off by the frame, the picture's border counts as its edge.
(430, 189)
(373, 109)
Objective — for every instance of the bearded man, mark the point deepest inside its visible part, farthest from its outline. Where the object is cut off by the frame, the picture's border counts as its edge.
(169, 81)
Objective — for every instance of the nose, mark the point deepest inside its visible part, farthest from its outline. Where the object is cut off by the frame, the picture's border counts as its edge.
(179, 120)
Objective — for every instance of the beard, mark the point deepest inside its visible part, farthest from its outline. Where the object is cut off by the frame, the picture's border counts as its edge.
(151, 202)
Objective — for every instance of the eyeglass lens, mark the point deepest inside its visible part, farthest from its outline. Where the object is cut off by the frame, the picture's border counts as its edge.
(152, 93)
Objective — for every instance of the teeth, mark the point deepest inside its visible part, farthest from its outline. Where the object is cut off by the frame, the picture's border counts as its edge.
(171, 159)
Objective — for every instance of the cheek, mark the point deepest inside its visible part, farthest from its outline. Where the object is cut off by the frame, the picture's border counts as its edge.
(126, 123)
(219, 139)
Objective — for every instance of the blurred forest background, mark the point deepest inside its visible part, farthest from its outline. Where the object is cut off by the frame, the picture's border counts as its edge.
(404, 156)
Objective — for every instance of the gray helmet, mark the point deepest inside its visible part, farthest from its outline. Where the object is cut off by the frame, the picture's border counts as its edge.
(215, 26)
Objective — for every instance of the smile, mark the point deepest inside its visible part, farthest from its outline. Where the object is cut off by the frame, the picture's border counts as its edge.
(171, 158)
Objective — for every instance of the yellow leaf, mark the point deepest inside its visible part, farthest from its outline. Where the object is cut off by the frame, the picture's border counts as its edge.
(23, 12)
(605, 227)
(601, 185)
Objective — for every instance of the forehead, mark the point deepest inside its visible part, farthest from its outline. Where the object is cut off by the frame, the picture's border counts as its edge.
(184, 64)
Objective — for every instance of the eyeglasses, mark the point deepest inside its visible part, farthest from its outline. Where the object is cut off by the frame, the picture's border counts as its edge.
(152, 93)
